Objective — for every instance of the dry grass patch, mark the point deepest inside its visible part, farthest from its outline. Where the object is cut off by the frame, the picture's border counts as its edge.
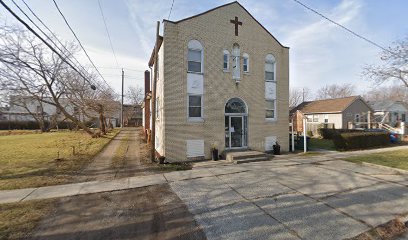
(17, 220)
(395, 159)
(34, 160)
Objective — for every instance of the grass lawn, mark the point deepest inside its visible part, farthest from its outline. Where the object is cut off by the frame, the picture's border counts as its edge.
(17, 220)
(317, 143)
(33, 160)
(395, 159)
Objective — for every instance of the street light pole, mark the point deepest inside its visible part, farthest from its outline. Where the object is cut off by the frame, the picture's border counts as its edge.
(121, 105)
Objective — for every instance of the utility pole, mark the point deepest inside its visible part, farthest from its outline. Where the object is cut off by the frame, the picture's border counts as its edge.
(121, 105)
(153, 101)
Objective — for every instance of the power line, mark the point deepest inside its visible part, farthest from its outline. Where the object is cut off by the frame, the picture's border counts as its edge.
(44, 41)
(107, 31)
(170, 10)
(49, 38)
(343, 27)
(80, 44)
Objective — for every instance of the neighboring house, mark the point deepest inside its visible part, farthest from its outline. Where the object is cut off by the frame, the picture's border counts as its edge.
(132, 115)
(223, 81)
(390, 112)
(17, 113)
(339, 111)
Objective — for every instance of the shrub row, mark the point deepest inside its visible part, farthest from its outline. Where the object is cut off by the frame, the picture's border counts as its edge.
(32, 125)
(329, 133)
(360, 140)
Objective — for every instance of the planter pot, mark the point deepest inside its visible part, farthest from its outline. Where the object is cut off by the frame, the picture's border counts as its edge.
(214, 154)
(161, 160)
(276, 149)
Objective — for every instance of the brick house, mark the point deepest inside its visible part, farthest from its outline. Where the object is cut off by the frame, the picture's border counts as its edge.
(223, 81)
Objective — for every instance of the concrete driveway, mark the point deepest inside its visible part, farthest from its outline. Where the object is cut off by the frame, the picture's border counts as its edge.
(296, 198)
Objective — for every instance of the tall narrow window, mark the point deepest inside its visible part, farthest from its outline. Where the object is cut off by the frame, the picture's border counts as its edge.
(270, 67)
(195, 57)
(226, 57)
(236, 71)
(270, 109)
(270, 87)
(194, 106)
(245, 63)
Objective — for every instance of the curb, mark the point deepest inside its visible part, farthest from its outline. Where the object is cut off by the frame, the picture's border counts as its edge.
(385, 167)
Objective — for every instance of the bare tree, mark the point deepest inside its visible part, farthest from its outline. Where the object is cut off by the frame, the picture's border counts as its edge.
(393, 93)
(335, 91)
(395, 65)
(29, 68)
(299, 95)
(135, 95)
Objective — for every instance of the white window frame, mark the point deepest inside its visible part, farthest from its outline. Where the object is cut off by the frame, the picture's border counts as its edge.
(268, 109)
(195, 45)
(270, 59)
(315, 118)
(245, 56)
(226, 52)
(195, 119)
(236, 55)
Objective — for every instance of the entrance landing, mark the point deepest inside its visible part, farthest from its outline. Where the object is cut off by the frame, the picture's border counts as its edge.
(246, 156)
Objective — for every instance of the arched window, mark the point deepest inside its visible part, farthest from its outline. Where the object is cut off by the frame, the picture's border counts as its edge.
(270, 68)
(195, 57)
(226, 57)
(235, 105)
(236, 72)
(245, 63)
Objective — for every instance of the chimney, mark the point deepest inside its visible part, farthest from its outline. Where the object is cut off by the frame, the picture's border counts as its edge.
(147, 82)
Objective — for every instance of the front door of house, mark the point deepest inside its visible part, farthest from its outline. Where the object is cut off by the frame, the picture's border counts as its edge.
(236, 116)
(235, 134)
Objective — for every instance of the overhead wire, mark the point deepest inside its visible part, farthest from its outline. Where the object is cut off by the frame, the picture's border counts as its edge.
(344, 28)
(43, 40)
(107, 32)
(80, 44)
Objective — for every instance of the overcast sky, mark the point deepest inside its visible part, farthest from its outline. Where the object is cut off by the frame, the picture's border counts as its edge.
(320, 52)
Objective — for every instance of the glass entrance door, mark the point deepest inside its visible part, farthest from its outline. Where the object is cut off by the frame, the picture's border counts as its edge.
(236, 131)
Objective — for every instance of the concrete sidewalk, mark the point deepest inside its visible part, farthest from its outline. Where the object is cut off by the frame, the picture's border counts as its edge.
(205, 169)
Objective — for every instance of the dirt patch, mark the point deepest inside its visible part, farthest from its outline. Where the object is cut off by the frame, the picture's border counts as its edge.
(386, 231)
(153, 212)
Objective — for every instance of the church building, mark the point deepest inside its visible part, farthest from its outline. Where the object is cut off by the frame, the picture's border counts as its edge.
(223, 82)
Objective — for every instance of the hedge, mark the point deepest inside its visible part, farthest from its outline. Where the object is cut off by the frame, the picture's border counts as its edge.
(360, 140)
(329, 133)
(32, 125)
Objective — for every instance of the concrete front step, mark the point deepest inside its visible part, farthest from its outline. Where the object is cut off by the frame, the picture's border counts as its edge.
(246, 156)
(247, 160)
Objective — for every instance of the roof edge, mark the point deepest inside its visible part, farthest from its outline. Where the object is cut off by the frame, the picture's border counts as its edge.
(197, 15)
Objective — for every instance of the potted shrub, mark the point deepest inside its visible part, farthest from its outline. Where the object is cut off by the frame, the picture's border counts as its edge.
(214, 152)
(276, 149)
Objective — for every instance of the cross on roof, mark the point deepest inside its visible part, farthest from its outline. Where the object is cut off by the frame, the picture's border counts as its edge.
(236, 22)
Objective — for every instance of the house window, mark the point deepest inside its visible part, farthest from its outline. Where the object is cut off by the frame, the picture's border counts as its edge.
(245, 63)
(309, 118)
(315, 118)
(270, 66)
(326, 118)
(236, 71)
(195, 106)
(357, 118)
(195, 57)
(270, 109)
(226, 57)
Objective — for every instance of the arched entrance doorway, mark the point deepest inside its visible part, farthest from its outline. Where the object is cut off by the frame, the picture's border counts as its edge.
(236, 124)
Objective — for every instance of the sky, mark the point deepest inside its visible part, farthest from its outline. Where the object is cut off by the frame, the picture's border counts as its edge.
(321, 53)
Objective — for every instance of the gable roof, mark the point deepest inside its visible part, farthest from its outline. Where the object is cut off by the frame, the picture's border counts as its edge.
(225, 5)
(335, 105)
